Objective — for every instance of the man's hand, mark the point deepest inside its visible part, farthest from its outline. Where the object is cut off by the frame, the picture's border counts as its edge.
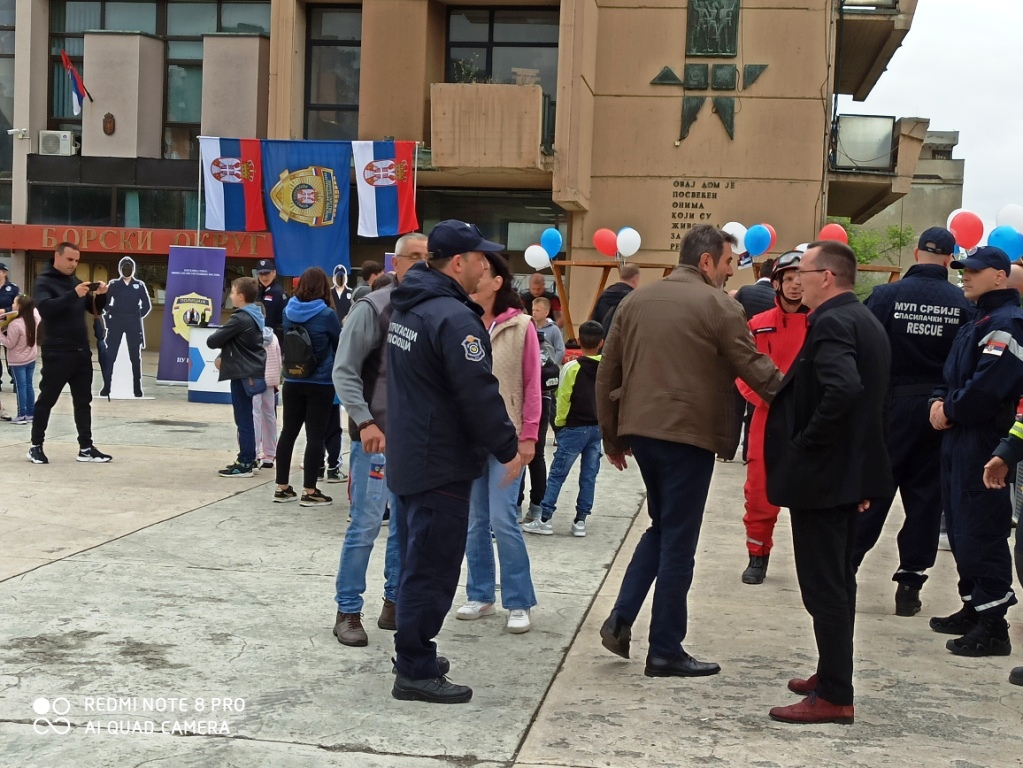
(995, 472)
(513, 470)
(102, 288)
(938, 419)
(863, 506)
(527, 450)
(82, 289)
(373, 440)
(618, 459)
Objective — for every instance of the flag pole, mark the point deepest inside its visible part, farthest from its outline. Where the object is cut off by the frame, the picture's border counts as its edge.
(415, 177)
(198, 202)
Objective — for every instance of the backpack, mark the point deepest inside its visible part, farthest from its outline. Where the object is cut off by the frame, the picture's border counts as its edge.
(298, 354)
(550, 371)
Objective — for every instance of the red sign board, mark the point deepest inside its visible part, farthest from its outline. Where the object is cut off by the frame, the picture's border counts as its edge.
(44, 237)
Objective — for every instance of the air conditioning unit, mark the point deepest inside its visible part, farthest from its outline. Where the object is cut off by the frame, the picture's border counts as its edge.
(57, 143)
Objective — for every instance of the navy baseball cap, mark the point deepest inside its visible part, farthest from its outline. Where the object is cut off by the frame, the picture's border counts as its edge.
(987, 257)
(266, 265)
(3, 267)
(937, 240)
(452, 237)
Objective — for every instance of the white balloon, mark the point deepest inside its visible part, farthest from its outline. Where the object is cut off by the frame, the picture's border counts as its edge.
(628, 242)
(1011, 215)
(948, 222)
(738, 231)
(803, 247)
(537, 257)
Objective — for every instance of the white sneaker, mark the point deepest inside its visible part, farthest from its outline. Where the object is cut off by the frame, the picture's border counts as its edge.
(540, 527)
(518, 621)
(474, 609)
(579, 528)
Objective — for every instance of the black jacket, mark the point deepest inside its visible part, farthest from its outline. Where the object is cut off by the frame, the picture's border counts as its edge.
(824, 445)
(242, 354)
(128, 301)
(61, 308)
(756, 298)
(608, 302)
(444, 408)
(274, 300)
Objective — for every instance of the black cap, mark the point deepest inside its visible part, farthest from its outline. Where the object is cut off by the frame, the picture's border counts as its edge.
(3, 267)
(452, 237)
(987, 257)
(937, 240)
(266, 265)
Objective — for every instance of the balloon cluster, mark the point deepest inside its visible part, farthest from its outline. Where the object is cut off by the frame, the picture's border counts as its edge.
(539, 256)
(1008, 235)
(757, 240)
(625, 244)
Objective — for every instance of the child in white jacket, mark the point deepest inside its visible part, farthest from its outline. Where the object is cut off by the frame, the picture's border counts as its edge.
(264, 405)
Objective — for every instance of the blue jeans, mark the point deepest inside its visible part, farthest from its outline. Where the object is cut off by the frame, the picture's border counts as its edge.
(677, 478)
(493, 507)
(242, 405)
(23, 382)
(573, 441)
(367, 517)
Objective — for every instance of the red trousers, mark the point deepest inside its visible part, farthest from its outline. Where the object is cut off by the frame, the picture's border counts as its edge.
(760, 515)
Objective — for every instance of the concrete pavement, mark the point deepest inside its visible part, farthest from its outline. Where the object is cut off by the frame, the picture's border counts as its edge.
(139, 595)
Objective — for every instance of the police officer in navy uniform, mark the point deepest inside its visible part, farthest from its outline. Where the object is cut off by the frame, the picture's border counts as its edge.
(342, 293)
(272, 296)
(8, 292)
(974, 409)
(442, 393)
(921, 313)
(127, 303)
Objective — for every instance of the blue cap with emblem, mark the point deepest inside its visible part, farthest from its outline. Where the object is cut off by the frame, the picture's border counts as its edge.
(266, 265)
(987, 257)
(453, 237)
(3, 267)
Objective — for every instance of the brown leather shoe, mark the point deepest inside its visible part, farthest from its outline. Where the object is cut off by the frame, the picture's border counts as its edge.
(388, 616)
(814, 709)
(348, 630)
(803, 687)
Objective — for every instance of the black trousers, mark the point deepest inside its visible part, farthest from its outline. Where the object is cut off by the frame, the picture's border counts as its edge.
(130, 329)
(538, 466)
(304, 405)
(332, 438)
(432, 529)
(65, 367)
(822, 540)
(915, 451)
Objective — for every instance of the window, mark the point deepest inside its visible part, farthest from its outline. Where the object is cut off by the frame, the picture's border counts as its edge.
(513, 46)
(333, 63)
(119, 206)
(181, 23)
(6, 104)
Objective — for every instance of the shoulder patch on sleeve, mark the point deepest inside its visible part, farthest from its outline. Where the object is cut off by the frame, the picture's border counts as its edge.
(473, 347)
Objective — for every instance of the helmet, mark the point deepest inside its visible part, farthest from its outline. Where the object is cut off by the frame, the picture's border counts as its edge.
(788, 260)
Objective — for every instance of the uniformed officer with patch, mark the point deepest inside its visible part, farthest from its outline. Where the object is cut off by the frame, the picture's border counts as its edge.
(921, 313)
(445, 415)
(8, 292)
(128, 303)
(272, 296)
(974, 409)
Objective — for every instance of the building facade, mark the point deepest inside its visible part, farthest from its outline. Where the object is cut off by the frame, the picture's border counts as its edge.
(578, 114)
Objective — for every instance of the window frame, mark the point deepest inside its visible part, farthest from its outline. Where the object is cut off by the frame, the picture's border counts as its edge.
(311, 44)
(490, 44)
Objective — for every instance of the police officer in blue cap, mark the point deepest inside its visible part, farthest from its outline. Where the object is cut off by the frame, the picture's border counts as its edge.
(272, 296)
(8, 293)
(921, 313)
(974, 409)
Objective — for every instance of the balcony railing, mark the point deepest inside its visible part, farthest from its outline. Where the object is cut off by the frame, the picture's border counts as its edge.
(870, 5)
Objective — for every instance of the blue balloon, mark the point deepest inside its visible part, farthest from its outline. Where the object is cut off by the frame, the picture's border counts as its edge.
(550, 241)
(1009, 240)
(758, 240)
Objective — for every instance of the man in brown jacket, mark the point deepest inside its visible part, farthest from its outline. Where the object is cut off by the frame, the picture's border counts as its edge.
(664, 395)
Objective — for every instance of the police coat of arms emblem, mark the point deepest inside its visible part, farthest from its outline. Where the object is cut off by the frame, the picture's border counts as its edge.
(308, 196)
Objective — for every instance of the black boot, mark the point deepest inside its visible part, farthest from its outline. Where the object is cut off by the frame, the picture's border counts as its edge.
(616, 635)
(989, 637)
(907, 600)
(756, 571)
(959, 623)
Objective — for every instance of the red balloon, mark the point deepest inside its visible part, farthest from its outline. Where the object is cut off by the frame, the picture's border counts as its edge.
(967, 228)
(605, 241)
(834, 232)
(774, 236)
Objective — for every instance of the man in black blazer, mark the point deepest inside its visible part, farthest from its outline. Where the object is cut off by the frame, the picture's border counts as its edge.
(825, 456)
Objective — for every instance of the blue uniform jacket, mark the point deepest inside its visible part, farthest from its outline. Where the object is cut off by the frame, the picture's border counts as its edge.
(921, 313)
(984, 373)
(444, 410)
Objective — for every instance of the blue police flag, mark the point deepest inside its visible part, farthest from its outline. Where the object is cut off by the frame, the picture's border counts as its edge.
(306, 185)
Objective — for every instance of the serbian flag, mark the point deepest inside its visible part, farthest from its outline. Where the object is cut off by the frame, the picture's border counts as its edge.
(232, 174)
(385, 177)
(78, 89)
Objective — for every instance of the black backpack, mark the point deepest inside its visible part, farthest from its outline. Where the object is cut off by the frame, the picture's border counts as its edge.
(299, 357)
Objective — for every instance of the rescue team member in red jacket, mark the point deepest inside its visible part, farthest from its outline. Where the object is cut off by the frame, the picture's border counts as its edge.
(779, 333)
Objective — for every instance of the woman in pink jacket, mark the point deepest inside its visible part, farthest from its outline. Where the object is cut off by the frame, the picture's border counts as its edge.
(22, 341)
(494, 504)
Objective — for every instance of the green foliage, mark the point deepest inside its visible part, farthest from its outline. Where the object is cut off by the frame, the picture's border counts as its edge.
(871, 245)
